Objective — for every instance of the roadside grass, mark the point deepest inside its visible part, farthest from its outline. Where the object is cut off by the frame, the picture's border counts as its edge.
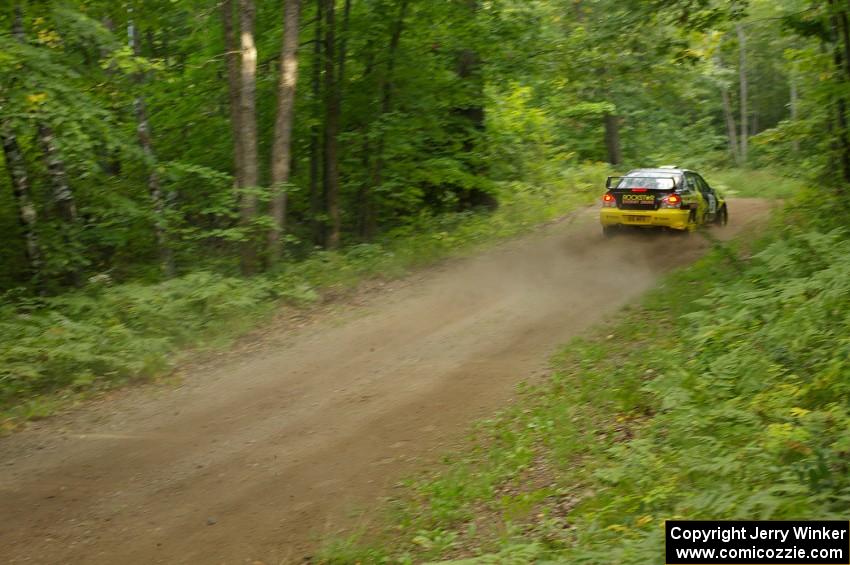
(57, 350)
(723, 396)
(754, 183)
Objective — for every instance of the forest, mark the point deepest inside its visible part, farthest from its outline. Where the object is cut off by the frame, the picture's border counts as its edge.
(173, 167)
(176, 174)
(147, 140)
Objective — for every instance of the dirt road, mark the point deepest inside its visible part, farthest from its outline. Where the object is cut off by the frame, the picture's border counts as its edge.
(258, 457)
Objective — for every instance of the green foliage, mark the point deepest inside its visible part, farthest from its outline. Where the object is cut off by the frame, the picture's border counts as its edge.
(757, 379)
(107, 333)
(111, 334)
(417, 137)
(723, 396)
(737, 183)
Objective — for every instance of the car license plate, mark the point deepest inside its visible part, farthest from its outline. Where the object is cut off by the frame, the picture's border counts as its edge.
(637, 219)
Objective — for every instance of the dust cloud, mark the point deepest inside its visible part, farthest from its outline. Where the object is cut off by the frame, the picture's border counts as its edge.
(261, 456)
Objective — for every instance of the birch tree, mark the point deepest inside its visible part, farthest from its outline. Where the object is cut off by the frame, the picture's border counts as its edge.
(731, 127)
(62, 197)
(143, 130)
(248, 133)
(282, 143)
(232, 57)
(27, 215)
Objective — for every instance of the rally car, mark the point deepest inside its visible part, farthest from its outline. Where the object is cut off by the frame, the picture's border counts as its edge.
(666, 197)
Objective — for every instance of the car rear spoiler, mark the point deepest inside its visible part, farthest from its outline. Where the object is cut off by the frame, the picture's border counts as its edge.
(609, 183)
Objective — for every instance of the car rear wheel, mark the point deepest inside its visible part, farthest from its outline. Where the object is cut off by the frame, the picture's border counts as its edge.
(609, 231)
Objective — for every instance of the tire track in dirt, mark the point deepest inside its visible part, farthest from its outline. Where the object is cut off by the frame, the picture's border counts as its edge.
(256, 459)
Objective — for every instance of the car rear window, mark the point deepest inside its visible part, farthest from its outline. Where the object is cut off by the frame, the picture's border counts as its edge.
(652, 181)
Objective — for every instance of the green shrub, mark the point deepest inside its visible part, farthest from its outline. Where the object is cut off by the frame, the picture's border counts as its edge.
(115, 333)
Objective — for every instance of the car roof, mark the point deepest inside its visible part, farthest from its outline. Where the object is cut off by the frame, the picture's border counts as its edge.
(671, 170)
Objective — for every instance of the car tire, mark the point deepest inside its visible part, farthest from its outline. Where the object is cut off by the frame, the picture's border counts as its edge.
(722, 217)
(609, 231)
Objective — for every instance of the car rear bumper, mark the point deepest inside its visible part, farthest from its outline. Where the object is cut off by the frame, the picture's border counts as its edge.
(665, 217)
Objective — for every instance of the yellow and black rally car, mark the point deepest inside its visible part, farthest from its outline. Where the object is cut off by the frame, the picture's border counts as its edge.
(666, 197)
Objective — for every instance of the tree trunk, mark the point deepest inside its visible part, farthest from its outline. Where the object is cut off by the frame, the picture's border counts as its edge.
(316, 192)
(731, 127)
(332, 115)
(166, 47)
(343, 44)
(845, 39)
(61, 195)
(612, 139)
(166, 258)
(471, 114)
(150, 43)
(842, 143)
(468, 69)
(363, 198)
(154, 189)
(844, 27)
(18, 24)
(386, 87)
(742, 73)
(729, 117)
(110, 161)
(282, 144)
(248, 132)
(27, 215)
(232, 55)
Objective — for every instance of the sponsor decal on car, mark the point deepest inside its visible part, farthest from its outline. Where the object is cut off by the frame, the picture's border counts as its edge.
(639, 198)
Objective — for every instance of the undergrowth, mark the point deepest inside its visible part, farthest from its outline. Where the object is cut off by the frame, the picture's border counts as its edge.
(726, 395)
(753, 183)
(108, 334)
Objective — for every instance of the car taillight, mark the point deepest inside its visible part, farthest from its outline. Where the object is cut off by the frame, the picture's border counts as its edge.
(608, 201)
(671, 201)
